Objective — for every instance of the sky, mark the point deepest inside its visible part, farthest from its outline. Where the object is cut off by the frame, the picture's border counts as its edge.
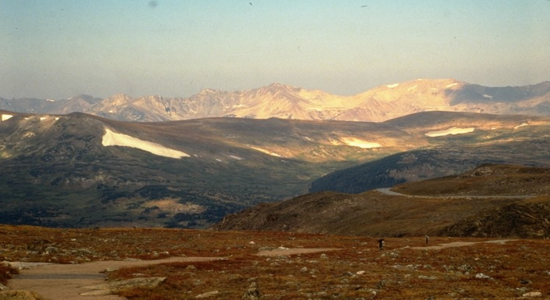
(174, 48)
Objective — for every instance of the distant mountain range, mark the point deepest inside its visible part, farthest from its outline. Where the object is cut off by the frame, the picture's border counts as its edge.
(287, 102)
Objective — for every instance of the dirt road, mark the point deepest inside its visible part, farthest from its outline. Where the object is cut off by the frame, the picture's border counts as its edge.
(387, 191)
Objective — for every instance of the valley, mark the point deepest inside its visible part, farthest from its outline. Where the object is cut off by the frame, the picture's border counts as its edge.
(58, 168)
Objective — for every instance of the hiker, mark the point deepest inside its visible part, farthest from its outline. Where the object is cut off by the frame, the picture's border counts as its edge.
(427, 239)
(381, 244)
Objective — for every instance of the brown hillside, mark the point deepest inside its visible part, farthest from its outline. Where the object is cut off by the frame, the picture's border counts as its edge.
(520, 219)
(435, 213)
(486, 180)
(370, 214)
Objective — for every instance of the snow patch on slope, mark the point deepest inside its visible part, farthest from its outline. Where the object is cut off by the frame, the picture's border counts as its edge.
(521, 125)
(111, 138)
(450, 131)
(354, 142)
(391, 86)
(266, 151)
(6, 117)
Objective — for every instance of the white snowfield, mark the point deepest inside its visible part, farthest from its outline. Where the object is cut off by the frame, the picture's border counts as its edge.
(451, 85)
(452, 130)
(6, 117)
(521, 125)
(111, 138)
(354, 142)
(266, 151)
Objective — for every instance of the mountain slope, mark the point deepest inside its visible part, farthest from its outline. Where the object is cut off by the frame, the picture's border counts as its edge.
(55, 169)
(286, 102)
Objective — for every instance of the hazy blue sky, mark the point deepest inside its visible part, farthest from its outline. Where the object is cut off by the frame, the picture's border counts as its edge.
(58, 49)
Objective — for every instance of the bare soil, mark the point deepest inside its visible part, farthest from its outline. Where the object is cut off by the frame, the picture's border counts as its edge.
(66, 282)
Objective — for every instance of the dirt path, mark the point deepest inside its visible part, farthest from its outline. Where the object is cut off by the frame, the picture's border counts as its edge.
(459, 244)
(68, 282)
(293, 251)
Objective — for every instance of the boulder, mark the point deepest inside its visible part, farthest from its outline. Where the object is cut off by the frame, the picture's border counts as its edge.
(252, 293)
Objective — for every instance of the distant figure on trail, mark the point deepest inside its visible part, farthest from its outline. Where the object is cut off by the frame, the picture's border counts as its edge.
(427, 239)
(381, 244)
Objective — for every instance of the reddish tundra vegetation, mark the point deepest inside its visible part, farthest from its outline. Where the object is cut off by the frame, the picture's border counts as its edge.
(275, 265)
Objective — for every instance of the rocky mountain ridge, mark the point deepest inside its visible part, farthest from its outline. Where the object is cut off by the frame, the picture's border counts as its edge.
(288, 102)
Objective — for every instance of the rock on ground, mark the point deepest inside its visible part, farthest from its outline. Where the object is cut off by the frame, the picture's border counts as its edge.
(20, 295)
